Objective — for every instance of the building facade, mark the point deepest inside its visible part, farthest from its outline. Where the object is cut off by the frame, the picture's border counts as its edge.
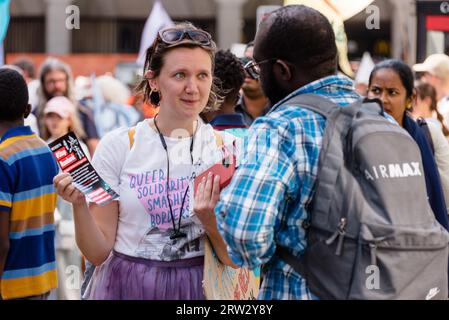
(115, 26)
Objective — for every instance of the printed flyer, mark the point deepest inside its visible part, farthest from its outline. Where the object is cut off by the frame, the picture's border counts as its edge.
(71, 158)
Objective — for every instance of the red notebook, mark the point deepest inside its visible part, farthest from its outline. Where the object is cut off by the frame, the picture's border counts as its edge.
(225, 171)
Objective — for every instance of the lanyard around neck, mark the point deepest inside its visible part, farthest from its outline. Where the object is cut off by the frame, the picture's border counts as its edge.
(176, 231)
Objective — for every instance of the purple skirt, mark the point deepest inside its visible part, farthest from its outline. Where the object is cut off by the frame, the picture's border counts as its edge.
(122, 277)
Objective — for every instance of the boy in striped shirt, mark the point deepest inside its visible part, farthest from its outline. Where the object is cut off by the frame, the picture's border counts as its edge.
(27, 199)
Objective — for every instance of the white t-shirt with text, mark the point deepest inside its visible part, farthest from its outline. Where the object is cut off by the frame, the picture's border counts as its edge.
(139, 176)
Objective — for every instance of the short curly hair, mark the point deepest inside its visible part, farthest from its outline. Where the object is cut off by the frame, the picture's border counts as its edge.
(302, 36)
(13, 95)
(229, 70)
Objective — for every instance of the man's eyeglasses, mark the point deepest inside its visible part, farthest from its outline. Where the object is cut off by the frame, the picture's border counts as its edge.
(253, 68)
(173, 36)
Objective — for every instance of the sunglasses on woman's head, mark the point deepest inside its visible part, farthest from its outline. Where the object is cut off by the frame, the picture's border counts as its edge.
(173, 36)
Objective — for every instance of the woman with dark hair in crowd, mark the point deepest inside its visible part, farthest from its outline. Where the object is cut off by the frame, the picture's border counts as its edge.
(392, 82)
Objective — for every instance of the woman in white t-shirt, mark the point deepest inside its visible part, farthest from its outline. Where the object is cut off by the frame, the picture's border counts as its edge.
(149, 244)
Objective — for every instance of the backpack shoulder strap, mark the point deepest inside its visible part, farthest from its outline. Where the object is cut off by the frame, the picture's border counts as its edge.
(314, 102)
(218, 139)
(326, 107)
(131, 133)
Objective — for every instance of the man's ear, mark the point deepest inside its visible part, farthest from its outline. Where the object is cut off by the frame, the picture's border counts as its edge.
(282, 70)
(27, 111)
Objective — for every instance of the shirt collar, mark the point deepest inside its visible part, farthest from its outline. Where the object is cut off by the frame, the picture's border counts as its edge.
(16, 131)
(324, 85)
(241, 108)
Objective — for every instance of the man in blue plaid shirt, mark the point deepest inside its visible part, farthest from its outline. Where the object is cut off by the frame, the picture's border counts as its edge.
(266, 202)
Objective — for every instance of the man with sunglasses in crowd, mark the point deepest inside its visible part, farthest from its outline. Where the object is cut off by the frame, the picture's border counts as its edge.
(267, 201)
(253, 102)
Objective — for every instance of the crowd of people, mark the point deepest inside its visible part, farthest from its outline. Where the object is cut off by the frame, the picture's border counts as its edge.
(149, 143)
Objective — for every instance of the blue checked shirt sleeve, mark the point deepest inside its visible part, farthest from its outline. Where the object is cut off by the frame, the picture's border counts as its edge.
(248, 207)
